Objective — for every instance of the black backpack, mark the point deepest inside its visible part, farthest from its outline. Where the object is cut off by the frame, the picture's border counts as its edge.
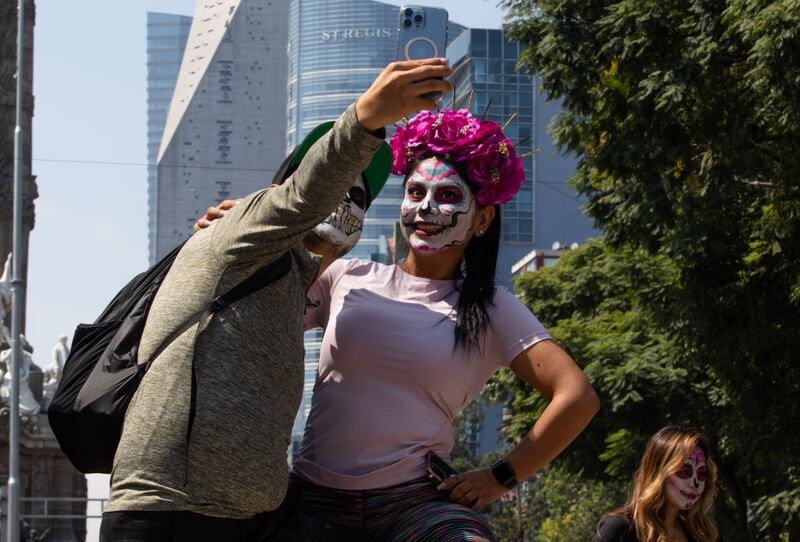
(102, 373)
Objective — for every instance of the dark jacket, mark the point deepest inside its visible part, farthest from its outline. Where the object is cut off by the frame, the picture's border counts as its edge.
(616, 528)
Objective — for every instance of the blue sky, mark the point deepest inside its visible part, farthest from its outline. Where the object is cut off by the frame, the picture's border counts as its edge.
(90, 106)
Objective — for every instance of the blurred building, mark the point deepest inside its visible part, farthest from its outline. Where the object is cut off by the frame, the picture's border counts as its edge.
(539, 259)
(52, 493)
(225, 129)
(166, 41)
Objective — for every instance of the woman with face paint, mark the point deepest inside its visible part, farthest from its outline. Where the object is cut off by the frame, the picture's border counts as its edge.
(673, 493)
(406, 347)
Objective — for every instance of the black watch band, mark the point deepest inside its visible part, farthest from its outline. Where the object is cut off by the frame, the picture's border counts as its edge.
(504, 474)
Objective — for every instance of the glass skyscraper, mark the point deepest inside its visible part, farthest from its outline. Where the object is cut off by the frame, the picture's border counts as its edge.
(166, 40)
(336, 49)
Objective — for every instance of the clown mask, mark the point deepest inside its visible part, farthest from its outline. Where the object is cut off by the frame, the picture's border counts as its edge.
(343, 227)
(438, 207)
(685, 487)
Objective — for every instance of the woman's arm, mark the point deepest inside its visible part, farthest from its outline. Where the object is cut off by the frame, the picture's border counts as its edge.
(573, 403)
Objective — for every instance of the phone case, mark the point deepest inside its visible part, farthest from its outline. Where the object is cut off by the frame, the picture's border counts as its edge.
(422, 33)
(438, 469)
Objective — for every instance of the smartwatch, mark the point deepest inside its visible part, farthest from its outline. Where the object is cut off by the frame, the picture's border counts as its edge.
(504, 474)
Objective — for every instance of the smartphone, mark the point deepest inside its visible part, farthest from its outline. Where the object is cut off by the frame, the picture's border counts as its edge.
(422, 33)
(438, 469)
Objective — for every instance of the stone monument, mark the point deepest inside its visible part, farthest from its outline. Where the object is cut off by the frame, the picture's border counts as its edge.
(28, 404)
(52, 373)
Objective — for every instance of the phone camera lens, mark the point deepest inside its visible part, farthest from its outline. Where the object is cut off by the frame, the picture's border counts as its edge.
(418, 18)
(407, 23)
(409, 12)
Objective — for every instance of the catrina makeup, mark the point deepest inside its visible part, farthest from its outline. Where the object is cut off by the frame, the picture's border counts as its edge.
(343, 227)
(438, 207)
(685, 486)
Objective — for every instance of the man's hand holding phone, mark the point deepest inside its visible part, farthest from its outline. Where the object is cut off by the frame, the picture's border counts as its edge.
(400, 90)
(422, 33)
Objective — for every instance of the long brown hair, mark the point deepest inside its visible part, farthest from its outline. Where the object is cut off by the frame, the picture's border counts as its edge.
(664, 455)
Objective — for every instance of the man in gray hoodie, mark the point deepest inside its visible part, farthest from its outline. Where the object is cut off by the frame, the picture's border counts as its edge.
(218, 471)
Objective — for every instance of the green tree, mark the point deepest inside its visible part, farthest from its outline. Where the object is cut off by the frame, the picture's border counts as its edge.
(685, 116)
(597, 304)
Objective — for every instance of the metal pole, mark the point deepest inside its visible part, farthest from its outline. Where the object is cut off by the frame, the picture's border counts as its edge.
(17, 289)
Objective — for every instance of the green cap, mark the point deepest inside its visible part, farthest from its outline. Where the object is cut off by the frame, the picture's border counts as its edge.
(375, 175)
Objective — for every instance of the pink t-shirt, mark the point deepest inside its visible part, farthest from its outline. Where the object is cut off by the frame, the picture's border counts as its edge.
(389, 383)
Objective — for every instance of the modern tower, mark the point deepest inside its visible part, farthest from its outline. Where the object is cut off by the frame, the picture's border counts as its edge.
(225, 130)
(166, 41)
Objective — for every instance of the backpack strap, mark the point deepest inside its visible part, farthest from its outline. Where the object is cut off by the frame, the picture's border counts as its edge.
(258, 280)
(265, 276)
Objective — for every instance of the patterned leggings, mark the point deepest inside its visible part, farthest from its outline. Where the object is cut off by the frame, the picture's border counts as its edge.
(413, 511)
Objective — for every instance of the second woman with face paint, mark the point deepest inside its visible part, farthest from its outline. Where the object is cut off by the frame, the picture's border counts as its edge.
(672, 496)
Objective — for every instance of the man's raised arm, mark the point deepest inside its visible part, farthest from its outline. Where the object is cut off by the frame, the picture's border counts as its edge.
(267, 223)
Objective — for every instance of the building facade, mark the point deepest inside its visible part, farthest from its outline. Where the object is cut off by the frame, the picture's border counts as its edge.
(166, 41)
(224, 133)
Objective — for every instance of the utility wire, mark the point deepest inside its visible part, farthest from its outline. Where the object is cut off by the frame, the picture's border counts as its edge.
(216, 168)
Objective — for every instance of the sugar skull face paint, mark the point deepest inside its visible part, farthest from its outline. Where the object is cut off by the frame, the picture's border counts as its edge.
(685, 487)
(437, 209)
(343, 227)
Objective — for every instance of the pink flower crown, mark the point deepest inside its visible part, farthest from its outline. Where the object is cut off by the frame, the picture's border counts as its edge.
(457, 136)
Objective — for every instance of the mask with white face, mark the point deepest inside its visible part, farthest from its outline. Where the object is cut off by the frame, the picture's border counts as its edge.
(438, 207)
(685, 487)
(343, 227)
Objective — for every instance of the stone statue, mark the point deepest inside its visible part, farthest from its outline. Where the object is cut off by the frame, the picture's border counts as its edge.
(27, 402)
(52, 372)
(59, 356)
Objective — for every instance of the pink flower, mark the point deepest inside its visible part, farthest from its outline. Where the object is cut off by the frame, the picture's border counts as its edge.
(410, 142)
(400, 160)
(462, 148)
(450, 128)
(497, 170)
(459, 137)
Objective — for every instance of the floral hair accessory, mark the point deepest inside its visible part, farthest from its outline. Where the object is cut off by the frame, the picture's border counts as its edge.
(479, 145)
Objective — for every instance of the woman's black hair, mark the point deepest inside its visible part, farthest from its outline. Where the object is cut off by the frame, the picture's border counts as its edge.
(475, 276)
(476, 291)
